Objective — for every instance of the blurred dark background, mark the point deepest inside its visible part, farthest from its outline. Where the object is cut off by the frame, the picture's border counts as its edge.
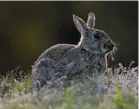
(28, 28)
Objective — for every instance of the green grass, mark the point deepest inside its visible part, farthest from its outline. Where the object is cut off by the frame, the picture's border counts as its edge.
(114, 91)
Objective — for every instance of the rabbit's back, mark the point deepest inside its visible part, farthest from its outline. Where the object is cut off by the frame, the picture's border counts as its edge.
(55, 52)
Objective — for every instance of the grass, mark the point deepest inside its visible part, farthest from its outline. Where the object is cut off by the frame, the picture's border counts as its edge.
(115, 90)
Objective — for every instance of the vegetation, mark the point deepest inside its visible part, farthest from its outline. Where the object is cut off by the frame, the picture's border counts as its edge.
(117, 89)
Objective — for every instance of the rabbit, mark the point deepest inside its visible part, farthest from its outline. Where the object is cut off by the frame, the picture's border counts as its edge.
(89, 56)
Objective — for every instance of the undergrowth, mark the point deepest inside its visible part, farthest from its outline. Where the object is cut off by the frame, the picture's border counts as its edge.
(116, 89)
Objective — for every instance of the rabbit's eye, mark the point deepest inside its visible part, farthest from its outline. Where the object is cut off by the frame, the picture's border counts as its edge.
(96, 36)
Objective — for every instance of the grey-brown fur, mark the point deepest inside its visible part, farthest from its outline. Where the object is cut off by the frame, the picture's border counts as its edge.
(89, 56)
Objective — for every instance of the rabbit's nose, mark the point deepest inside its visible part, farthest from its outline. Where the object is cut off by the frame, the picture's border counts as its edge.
(109, 45)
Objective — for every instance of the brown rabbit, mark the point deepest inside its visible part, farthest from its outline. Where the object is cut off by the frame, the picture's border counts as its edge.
(89, 56)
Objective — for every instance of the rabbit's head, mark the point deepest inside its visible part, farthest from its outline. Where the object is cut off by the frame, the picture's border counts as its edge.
(93, 40)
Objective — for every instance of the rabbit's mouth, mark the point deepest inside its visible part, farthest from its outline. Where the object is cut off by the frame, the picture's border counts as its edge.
(108, 46)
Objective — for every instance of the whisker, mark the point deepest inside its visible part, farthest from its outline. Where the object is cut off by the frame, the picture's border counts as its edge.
(115, 49)
(117, 44)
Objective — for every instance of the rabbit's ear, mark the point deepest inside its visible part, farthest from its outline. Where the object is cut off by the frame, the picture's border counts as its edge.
(80, 24)
(91, 20)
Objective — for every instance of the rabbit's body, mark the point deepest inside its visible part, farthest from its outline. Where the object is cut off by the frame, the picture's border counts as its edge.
(89, 56)
(68, 60)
